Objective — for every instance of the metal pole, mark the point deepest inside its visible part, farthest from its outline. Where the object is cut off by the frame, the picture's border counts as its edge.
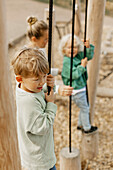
(85, 32)
(73, 20)
(50, 37)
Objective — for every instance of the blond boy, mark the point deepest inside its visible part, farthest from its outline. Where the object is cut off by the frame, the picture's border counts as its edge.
(35, 110)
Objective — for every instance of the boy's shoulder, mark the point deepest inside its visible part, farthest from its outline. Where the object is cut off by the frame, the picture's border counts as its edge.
(29, 98)
(66, 59)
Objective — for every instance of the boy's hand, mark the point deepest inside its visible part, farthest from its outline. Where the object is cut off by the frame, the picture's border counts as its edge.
(50, 81)
(87, 43)
(50, 97)
(84, 62)
(65, 90)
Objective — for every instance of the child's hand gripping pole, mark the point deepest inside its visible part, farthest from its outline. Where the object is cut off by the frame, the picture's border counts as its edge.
(51, 79)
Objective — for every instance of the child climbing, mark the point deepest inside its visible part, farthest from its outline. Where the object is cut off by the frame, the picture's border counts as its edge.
(37, 32)
(79, 79)
(35, 110)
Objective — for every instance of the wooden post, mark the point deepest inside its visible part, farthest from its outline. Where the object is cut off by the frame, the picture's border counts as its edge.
(9, 154)
(96, 10)
(70, 161)
(46, 18)
(89, 145)
(77, 19)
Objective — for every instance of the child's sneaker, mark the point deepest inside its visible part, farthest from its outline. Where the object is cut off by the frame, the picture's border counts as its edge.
(79, 128)
(93, 128)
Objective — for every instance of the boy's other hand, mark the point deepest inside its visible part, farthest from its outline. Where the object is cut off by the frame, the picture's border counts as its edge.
(50, 97)
(87, 43)
(84, 62)
(65, 90)
(50, 80)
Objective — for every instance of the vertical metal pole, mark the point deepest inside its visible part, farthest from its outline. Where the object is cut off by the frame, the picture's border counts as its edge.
(85, 27)
(85, 32)
(50, 37)
(73, 20)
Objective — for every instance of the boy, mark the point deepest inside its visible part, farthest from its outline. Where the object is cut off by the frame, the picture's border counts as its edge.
(35, 111)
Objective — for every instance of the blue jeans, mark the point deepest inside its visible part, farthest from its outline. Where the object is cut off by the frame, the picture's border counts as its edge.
(54, 168)
(81, 101)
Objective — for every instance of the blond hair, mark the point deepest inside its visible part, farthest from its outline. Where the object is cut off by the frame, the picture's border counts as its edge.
(64, 41)
(30, 62)
(36, 28)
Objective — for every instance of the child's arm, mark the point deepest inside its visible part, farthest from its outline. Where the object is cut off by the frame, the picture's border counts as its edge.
(50, 82)
(90, 52)
(89, 49)
(64, 90)
(76, 71)
(50, 97)
(38, 121)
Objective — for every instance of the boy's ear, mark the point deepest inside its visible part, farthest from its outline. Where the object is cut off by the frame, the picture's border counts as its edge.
(33, 38)
(19, 78)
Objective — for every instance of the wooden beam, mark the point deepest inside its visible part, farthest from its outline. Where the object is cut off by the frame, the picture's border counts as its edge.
(70, 160)
(96, 10)
(90, 145)
(104, 92)
(9, 154)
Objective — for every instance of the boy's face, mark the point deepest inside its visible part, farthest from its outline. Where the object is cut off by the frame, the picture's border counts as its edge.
(67, 49)
(33, 84)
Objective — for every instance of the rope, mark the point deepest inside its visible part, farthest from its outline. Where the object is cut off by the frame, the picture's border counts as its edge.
(50, 37)
(85, 47)
(73, 20)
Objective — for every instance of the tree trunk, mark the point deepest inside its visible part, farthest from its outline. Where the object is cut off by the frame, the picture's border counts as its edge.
(96, 9)
(9, 155)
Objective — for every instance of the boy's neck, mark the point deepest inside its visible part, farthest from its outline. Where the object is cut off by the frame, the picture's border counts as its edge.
(21, 86)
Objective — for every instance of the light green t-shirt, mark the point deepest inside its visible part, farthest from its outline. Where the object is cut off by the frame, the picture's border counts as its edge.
(35, 118)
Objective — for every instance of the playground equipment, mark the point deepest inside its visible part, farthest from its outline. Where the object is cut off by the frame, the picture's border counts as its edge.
(9, 154)
(64, 27)
(96, 12)
(70, 158)
(90, 142)
(8, 140)
(46, 18)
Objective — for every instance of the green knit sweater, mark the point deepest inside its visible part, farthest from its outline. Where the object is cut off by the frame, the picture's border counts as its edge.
(78, 72)
(35, 118)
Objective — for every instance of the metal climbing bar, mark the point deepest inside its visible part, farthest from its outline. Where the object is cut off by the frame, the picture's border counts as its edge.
(85, 32)
(50, 37)
(86, 6)
(73, 21)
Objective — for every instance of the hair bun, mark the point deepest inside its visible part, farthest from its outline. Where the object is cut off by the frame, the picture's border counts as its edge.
(32, 20)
